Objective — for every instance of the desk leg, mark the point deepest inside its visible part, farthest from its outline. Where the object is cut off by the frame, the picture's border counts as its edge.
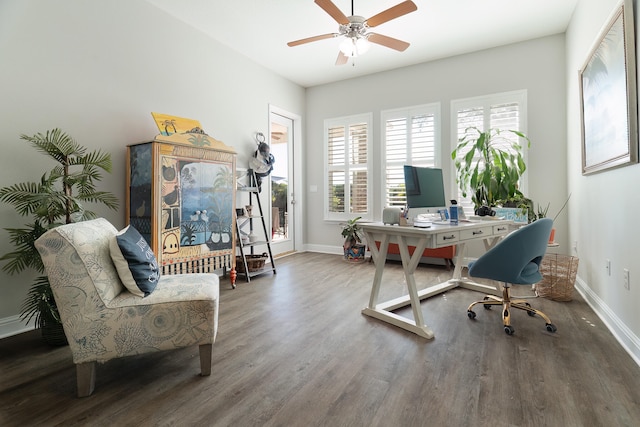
(409, 264)
(490, 243)
(465, 282)
(379, 257)
(384, 310)
(461, 253)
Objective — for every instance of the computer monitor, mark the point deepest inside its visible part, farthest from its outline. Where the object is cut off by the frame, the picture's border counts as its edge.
(425, 190)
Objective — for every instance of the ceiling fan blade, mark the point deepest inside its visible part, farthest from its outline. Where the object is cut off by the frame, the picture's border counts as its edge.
(333, 10)
(342, 58)
(392, 13)
(388, 42)
(311, 39)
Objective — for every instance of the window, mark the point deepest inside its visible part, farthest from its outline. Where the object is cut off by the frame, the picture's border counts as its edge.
(411, 136)
(348, 167)
(506, 111)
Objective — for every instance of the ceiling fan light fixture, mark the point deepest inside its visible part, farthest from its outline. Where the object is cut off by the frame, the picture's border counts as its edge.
(354, 29)
(354, 46)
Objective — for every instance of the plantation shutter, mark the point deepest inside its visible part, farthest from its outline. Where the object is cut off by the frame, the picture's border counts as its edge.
(336, 149)
(347, 154)
(468, 117)
(358, 168)
(411, 137)
(501, 111)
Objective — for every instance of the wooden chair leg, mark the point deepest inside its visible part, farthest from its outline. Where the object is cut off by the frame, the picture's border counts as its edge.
(206, 351)
(85, 378)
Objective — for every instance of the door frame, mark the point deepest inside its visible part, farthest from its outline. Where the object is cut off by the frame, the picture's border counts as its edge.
(296, 181)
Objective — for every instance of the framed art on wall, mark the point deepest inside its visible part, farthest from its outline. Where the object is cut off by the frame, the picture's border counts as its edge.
(608, 97)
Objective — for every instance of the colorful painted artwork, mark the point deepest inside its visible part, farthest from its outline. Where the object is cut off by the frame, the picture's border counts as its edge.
(168, 125)
(140, 160)
(206, 208)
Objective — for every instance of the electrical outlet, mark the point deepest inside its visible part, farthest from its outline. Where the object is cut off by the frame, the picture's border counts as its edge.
(626, 278)
(607, 266)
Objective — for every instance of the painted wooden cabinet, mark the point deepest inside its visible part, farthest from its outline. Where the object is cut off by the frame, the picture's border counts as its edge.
(181, 198)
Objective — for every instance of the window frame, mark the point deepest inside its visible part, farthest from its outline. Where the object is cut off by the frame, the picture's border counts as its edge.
(486, 102)
(367, 119)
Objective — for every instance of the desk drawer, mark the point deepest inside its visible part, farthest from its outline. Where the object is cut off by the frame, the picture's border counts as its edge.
(475, 233)
(447, 238)
(500, 229)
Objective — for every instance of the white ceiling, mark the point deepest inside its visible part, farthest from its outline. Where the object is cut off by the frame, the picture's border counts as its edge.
(260, 29)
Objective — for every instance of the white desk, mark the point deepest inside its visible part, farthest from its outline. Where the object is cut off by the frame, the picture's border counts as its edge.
(434, 237)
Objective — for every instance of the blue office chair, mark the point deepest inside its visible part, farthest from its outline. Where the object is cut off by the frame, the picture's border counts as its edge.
(514, 260)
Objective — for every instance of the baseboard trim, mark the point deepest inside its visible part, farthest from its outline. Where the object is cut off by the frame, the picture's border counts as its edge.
(627, 339)
(324, 249)
(10, 326)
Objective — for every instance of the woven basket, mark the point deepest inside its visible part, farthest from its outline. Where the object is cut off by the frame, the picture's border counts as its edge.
(559, 275)
(254, 262)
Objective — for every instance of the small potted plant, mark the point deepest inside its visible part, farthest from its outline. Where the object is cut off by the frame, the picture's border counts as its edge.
(354, 249)
(542, 213)
(56, 199)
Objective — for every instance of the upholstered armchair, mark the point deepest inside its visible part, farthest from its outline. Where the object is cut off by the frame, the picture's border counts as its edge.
(103, 320)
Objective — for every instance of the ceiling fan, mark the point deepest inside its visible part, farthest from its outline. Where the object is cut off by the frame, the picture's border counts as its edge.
(355, 30)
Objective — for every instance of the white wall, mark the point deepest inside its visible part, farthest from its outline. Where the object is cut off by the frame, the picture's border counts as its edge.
(604, 207)
(97, 70)
(537, 66)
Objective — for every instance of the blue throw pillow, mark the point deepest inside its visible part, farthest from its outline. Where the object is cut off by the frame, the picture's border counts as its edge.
(136, 264)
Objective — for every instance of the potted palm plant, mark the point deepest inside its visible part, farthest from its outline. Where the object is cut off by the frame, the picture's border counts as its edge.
(490, 166)
(354, 249)
(58, 198)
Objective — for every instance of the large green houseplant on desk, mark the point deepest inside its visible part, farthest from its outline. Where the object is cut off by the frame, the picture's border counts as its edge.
(58, 198)
(489, 165)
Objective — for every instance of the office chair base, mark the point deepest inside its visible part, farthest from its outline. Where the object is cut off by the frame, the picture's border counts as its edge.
(507, 303)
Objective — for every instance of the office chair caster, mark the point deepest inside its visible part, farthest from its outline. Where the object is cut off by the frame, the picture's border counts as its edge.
(509, 330)
(471, 314)
(530, 313)
(551, 327)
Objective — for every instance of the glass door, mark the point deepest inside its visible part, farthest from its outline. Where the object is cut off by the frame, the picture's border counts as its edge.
(282, 194)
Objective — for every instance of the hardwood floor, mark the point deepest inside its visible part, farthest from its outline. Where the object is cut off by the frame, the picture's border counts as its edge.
(293, 349)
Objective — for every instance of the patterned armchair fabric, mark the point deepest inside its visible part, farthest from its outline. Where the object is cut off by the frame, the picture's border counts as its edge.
(103, 321)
